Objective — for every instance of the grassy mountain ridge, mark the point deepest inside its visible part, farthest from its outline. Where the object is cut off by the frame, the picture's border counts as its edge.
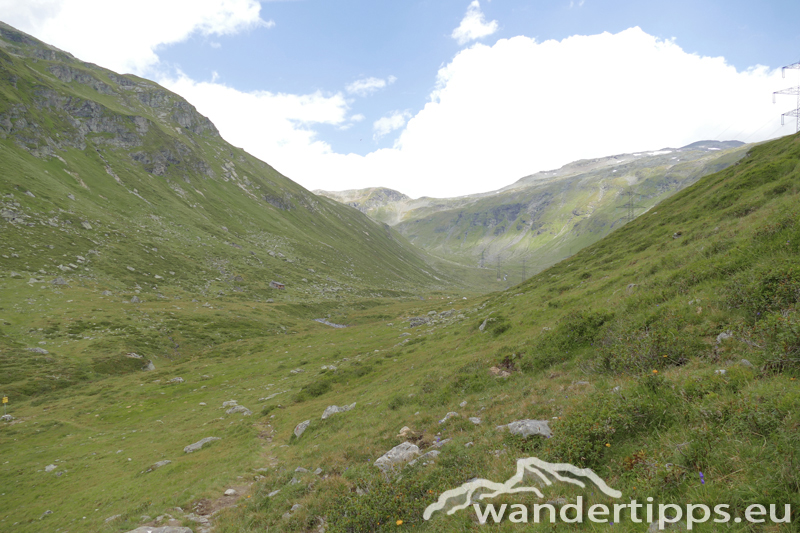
(544, 217)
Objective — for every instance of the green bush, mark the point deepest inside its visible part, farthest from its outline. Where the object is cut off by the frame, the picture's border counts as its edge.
(573, 333)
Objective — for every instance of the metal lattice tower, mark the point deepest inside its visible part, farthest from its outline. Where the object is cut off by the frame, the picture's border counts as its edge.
(629, 206)
(791, 90)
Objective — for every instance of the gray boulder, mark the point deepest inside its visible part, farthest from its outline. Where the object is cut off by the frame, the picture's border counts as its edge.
(526, 428)
(59, 281)
(301, 427)
(448, 416)
(158, 465)
(425, 458)
(402, 453)
(6, 418)
(417, 321)
(149, 367)
(38, 350)
(199, 444)
(239, 409)
(135, 300)
(725, 335)
(333, 409)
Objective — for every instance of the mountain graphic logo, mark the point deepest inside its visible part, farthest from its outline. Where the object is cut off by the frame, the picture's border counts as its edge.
(531, 468)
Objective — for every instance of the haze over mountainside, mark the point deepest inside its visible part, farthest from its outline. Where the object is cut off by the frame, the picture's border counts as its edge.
(544, 217)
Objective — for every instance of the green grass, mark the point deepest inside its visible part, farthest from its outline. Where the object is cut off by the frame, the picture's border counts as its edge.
(616, 347)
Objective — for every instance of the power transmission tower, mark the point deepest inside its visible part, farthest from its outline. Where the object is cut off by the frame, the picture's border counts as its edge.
(482, 252)
(629, 206)
(791, 90)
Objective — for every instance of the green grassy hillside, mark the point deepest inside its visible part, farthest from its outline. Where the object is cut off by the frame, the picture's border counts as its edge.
(543, 218)
(665, 350)
(619, 348)
(115, 188)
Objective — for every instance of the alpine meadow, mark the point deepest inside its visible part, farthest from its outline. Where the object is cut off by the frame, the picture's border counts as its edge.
(192, 342)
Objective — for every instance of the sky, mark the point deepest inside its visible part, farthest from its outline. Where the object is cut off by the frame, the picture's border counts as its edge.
(446, 97)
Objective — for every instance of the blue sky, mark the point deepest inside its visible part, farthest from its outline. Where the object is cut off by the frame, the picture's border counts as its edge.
(326, 45)
(346, 94)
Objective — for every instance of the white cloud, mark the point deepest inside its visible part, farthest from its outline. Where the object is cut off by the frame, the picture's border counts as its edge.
(505, 111)
(497, 113)
(128, 45)
(367, 86)
(386, 125)
(473, 25)
(275, 127)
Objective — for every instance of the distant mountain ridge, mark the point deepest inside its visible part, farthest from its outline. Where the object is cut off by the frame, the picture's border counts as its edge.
(544, 217)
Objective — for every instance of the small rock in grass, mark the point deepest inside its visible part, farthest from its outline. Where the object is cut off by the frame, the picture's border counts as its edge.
(401, 453)
(301, 427)
(526, 428)
(199, 444)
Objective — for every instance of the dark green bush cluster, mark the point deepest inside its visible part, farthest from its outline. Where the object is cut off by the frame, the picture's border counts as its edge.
(660, 341)
(385, 500)
(588, 431)
(781, 332)
(575, 332)
(326, 381)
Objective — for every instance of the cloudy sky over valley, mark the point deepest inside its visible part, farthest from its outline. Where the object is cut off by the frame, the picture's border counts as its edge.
(443, 98)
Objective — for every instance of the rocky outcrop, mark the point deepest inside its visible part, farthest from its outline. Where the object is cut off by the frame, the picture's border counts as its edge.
(333, 409)
(68, 74)
(526, 428)
(402, 453)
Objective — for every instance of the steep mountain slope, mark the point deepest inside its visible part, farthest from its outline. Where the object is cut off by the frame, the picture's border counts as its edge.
(543, 218)
(84, 147)
(115, 191)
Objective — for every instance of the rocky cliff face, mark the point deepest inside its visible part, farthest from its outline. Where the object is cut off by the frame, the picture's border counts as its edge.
(46, 119)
